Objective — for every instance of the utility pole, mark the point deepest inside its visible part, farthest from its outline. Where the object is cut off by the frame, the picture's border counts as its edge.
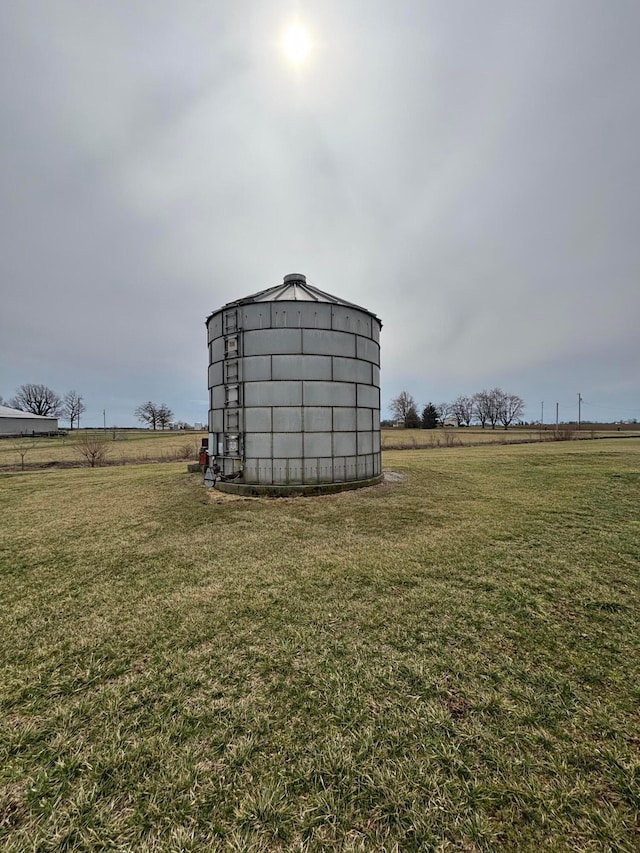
(542, 414)
(556, 416)
(104, 420)
(579, 410)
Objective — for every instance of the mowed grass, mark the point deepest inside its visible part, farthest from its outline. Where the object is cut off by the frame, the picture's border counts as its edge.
(122, 447)
(451, 663)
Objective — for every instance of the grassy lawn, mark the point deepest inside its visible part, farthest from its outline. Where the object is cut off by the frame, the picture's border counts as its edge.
(449, 663)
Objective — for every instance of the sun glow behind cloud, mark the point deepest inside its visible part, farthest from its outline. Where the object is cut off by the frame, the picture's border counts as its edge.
(296, 43)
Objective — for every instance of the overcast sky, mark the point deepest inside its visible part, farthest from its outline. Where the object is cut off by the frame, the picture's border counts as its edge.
(468, 171)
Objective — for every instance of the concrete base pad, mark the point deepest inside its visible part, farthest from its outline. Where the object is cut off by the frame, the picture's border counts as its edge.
(272, 491)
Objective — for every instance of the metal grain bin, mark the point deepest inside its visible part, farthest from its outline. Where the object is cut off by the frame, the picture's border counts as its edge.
(294, 389)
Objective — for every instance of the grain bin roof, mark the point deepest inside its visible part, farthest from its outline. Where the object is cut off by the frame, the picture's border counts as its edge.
(294, 288)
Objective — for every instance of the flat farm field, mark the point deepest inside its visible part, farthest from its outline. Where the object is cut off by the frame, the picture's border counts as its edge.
(449, 661)
(425, 439)
(121, 447)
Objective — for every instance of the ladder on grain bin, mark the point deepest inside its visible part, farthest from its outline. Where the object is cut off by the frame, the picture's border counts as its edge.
(230, 450)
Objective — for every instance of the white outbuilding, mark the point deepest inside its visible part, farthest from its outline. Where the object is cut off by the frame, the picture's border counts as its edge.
(16, 422)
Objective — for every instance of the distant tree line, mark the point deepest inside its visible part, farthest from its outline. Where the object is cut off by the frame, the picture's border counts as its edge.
(485, 407)
(40, 400)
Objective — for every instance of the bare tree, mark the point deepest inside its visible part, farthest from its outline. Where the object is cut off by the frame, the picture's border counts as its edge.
(496, 396)
(72, 407)
(482, 406)
(511, 407)
(444, 410)
(462, 410)
(404, 409)
(164, 415)
(37, 399)
(148, 414)
(22, 446)
(93, 447)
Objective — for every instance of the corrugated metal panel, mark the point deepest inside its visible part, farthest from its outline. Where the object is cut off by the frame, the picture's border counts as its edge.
(217, 397)
(328, 393)
(287, 419)
(217, 350)
(256, 368)
(257, 419)
(317, 418)
(328, 342)
(215, 374)
(344, 444)
(367, 350)
(214, 326)
(317, 444)
(369, 396)
(258, 444)
(294, 367)
(273, 393)
(273, 342)
(351, 370)
(216, 423)
(365, 419)
(256, 317)
(287, 444)
(365, 442)
(344, 419)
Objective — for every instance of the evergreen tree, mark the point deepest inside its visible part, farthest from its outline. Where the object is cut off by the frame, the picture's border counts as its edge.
(429, 417)
(412, 419)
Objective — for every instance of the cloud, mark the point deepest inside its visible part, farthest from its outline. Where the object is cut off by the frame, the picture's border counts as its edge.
(465, 171)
